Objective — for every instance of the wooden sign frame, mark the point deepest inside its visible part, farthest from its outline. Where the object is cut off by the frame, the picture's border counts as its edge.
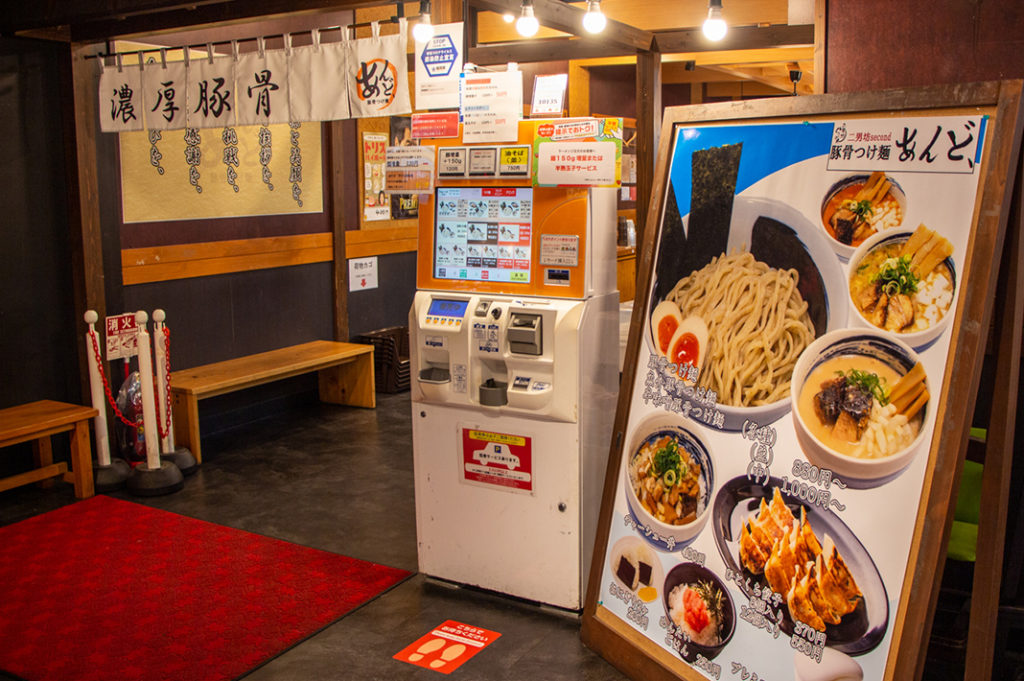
(641, 657)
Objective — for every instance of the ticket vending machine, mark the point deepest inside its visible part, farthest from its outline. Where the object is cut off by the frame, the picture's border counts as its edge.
(514, 361)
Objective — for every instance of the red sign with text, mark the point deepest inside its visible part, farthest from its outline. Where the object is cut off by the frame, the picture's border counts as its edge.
(447, 647)
(498, 459)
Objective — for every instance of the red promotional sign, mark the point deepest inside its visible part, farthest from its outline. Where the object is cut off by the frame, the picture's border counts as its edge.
(434, 125)
(447, 647)
(498, 459)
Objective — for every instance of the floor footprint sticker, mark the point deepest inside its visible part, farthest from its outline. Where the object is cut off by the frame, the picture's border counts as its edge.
(450, 653)
(427, 648)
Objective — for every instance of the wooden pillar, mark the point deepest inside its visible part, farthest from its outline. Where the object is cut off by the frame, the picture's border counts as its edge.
(342, 203)
(648, 127)
(578, 90)
(81, 126)
(820, 43)
(995, 480)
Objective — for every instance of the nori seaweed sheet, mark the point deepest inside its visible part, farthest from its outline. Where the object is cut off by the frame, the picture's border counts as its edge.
(778, 245)
(713, 186)
(671, 249)
(713, 189)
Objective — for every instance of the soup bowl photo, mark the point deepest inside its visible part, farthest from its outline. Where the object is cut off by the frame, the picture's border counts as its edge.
(888, 215)
(933, 300)
(647, 457)
(888, 443)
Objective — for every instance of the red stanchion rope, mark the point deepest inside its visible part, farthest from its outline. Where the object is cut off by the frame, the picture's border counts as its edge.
(163, 429)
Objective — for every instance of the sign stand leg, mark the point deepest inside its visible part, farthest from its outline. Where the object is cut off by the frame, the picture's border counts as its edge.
(995, 483)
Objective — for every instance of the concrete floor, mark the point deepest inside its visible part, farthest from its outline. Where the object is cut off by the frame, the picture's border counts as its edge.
(341, 479)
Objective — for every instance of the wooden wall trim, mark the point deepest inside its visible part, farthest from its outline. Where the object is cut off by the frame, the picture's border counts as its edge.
(166, 263)
(362, 243)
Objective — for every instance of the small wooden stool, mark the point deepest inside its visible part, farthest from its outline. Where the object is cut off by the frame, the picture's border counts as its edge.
(37, 421)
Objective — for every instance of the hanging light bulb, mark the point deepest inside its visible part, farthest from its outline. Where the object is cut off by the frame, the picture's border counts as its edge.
(594, 20)
(423, 30)
(527, 24)
(715, 26)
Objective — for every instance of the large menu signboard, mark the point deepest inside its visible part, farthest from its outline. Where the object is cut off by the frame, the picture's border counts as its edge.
(787, 382)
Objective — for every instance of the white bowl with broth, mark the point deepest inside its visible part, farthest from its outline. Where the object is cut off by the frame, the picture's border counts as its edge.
(933, 302)
(823, 288)
(864, 350)
(890, 213)
(688, 436)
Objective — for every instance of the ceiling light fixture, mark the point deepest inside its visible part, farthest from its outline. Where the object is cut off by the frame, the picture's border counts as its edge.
(423, 30)
(715, 26)
(508, 17)
(527, 24)
(594, 20)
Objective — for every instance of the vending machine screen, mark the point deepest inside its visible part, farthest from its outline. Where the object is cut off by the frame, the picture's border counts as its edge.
(483, 233)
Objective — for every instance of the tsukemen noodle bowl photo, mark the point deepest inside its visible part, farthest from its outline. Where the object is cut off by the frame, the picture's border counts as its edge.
(861, 405)
(904, 283)
(700, 610)
(859, 206)
(668, 478)
(743, 316)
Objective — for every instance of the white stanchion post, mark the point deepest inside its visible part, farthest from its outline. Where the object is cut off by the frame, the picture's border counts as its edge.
(149, 422)
(96, 385)
(163, 416)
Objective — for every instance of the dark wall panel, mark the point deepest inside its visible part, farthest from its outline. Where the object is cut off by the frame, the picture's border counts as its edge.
(387, 305)
(231, 315)
(38, 334)
(874, 44)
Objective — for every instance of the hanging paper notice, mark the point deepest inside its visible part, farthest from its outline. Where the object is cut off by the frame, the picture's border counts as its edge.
(409, 170)
(491, 106)
(376, 205)
(549, 94)
(578, 152)
(438, 65)
(362, 273)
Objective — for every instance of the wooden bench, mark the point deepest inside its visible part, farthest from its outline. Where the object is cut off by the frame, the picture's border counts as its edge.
(37, 421)
(346, 377)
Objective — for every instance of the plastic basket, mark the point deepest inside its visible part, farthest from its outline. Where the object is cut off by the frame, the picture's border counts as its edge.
(390, 357)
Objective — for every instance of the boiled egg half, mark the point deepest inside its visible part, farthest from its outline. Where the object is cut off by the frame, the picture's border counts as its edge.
(665, 319)
(689, 344)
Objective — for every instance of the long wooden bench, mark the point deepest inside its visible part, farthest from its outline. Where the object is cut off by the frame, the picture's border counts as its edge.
(346, 377)
(36, 422)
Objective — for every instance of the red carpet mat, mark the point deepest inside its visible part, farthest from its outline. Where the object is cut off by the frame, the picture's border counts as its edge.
(110, 590)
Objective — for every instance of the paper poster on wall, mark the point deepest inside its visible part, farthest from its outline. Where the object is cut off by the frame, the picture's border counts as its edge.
(362, 273)
(376, 204)
(438, 65)
(409, 170)
(491, 105)
(578, 152)
(777, 444)
(240, 171)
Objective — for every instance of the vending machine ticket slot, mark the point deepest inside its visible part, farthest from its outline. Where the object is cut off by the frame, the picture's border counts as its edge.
(524, 334)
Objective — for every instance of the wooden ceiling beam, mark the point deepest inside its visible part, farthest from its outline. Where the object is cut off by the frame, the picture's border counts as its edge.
(738, 38)
(548, 49)
(569, 19)
(200, 16)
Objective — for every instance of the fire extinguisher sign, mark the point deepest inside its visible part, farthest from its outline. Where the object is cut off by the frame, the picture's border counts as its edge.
(497, 459)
